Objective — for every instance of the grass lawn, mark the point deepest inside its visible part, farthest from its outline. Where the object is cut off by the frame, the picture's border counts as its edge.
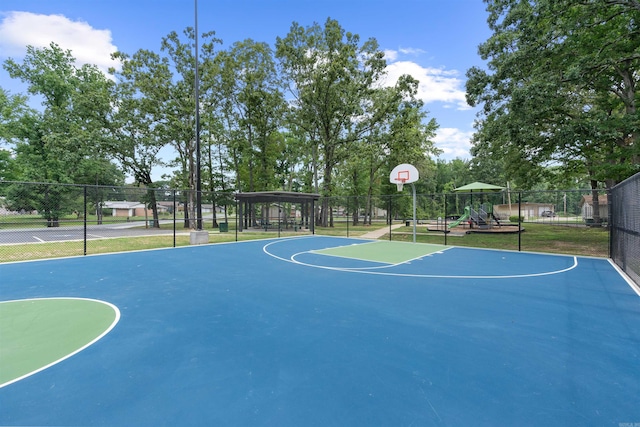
(342, 230)
(588, 241)
(31, 251)
(571, 240)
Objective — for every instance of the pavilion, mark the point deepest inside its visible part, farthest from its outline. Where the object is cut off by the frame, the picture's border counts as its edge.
(248, 201)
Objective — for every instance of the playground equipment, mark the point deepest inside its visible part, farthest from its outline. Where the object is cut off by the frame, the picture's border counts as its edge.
(463, 218)
(482, 218)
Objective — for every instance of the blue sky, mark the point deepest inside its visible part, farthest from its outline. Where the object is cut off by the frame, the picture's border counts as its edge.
(436, 41)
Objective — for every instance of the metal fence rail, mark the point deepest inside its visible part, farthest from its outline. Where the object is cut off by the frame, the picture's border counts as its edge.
(625, 226)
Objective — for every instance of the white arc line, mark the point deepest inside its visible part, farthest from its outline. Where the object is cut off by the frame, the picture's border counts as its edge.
(431, 276)
(113, 324)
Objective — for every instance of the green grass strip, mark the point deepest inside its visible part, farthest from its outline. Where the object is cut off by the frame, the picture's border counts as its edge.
(383, 251)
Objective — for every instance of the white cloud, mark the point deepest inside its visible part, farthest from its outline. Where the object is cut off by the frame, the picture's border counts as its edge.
(87, 44)
(436, 84)
(411, 51)
(454, 143)
(390, 55)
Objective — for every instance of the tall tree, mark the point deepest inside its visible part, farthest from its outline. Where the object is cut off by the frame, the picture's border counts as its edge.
(252, 112)
(57, 144)
(178, 108)
(137, 118)
(333, 79)
(560, 87)
(405, 136)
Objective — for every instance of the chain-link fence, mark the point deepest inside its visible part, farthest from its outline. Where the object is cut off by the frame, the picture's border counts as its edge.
(53, 220)
(625, 226)
(566, 222)
(44, 220)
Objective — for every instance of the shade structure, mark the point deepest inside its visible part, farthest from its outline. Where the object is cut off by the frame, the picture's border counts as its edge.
(479, 187)
(276, 196)
(247, 200)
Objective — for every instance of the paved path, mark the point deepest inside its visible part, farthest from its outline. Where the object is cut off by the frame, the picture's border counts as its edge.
(76, 232)
(376, 234)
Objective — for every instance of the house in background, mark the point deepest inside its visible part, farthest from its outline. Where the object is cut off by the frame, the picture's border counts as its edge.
(586, 206)
(527, 210)
(131, 209)
(126, 209)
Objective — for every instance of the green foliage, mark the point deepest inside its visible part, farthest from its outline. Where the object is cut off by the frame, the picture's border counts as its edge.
(58, 143)
(8, 170)
(251, 113)
(61, 142)
(338, 124)
(12, 107)
(560, 89)
(340, 112)
(137, 131)
(51, 201)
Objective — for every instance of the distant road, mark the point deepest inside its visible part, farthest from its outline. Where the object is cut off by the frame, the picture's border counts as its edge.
(58, 234)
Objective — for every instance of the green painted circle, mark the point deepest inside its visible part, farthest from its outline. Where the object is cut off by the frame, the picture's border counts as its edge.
(38, 333)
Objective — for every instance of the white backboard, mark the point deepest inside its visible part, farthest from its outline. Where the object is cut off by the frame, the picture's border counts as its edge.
(405, 172)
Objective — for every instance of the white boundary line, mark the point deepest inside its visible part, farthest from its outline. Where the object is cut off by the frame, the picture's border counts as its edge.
(626, 277)
(385, 264)
(186, 247)
(115, 321)
(431, 276)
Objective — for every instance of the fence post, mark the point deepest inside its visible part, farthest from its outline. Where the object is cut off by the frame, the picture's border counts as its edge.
(444, 229)
(390, 218)
(175, 208)
(519, 221)
(610, 220)
(347, 216)
(84, 213)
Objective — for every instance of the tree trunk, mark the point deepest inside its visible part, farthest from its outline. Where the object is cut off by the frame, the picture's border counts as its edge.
(99, 214)
(153, 204)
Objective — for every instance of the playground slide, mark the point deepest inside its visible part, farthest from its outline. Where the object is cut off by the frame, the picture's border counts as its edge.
(460, 220)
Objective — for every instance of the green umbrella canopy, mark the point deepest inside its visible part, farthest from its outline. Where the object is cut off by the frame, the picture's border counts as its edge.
(478, 186)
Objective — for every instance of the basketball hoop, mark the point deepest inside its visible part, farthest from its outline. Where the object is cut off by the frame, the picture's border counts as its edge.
(406, 174)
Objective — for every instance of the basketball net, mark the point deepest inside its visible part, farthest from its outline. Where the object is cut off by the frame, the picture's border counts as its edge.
(400, 183)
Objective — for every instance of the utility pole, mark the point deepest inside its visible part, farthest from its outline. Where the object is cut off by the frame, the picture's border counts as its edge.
(197, 96)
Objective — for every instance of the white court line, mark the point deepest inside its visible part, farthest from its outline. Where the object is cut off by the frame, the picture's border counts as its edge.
(431, 276)
(631, 283)
(385, 264)
(38, 239)
(113, 324)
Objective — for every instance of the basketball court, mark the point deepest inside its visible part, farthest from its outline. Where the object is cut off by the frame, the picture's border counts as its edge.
(319, 331)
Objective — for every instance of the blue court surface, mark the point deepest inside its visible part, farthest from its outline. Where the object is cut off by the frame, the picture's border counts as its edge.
(321, 331)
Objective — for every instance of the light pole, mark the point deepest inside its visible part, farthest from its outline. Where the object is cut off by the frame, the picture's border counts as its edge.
(197, 96)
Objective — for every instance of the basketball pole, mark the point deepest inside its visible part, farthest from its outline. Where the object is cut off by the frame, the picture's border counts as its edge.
(413, 189)
(400, 175)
